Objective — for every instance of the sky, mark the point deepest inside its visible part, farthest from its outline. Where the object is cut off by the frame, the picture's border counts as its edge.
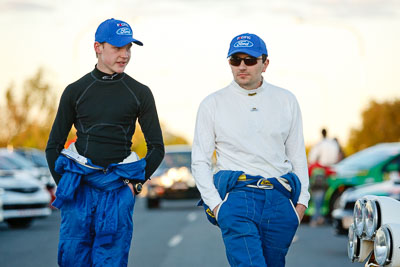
(334, 55)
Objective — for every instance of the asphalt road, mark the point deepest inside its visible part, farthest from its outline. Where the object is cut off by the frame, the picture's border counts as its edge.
(177, 235)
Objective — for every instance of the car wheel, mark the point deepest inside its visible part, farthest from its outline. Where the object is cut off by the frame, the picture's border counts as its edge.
(338, 228)
(19, 223)
(153, 203)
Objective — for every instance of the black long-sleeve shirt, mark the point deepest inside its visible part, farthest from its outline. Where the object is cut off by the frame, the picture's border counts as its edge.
(104, 109)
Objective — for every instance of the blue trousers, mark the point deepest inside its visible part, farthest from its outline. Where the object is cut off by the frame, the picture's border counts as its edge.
(80, 245)
(257, 226)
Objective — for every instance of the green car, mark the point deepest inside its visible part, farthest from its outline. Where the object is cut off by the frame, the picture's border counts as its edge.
(371, 165)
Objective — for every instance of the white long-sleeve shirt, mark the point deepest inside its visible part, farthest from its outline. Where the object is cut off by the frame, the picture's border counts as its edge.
(326, 152)
(256, 131)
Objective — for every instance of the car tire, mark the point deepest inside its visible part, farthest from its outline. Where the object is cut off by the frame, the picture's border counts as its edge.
(153, 203)
(19, 223)
(338, 227)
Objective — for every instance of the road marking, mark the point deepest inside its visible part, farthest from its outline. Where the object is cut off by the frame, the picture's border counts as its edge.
(192, 217)
(174, 241)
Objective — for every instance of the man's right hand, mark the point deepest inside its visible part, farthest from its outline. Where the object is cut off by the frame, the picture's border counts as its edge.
(216, 209)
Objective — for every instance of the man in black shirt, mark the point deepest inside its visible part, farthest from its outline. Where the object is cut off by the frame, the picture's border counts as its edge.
(104, 106)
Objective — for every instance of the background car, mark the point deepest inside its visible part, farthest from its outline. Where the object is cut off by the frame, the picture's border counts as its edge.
(173, 178)
(11, 162)
(342, 217)
(27, 164)
(370, 165)
(23, 201)
(38, 158)
(1, 205)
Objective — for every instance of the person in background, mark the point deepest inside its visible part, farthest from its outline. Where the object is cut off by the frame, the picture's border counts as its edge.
(98, 176)
(324, 154)
(341, 154)
(260, 192)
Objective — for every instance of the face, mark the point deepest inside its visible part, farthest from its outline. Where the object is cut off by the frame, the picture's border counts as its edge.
(111, 59)
(248, 77)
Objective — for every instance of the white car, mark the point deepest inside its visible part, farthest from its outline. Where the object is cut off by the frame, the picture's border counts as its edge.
(23, 200)
(17, 166)
(342, 217)
(38, 159)
(374, 235)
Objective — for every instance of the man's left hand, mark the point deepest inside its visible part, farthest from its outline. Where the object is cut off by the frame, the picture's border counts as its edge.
(131, 188)
(300, 209)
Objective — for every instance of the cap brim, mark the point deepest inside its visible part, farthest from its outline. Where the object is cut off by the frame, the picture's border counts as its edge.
(124, 41)
(245, 51)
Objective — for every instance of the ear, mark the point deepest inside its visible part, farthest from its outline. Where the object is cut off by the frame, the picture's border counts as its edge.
(98, 48)
(266, 63)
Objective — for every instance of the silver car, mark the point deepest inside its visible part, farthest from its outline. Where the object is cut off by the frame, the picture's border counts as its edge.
(18, 166)
(23, 200)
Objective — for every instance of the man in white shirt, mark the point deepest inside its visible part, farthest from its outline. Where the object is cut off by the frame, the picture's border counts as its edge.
(325, 152)
(255, 128)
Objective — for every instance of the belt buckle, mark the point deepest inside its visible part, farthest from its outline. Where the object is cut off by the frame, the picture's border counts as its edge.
(263, 183)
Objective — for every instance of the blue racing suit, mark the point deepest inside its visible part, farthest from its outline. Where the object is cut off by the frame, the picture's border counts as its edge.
(96, 211)
(257, 217)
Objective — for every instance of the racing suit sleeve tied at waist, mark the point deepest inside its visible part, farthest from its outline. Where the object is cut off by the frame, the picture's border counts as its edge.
(226, 180)
(75, 172)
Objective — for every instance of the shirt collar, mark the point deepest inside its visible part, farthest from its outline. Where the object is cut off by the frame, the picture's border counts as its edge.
(105, 76)
(252, 92)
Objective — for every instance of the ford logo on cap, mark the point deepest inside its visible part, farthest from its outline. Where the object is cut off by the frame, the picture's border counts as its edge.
(124, 31)
(243, 43)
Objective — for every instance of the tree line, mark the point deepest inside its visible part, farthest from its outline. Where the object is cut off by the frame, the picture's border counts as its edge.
(29, 111)
(27, 115)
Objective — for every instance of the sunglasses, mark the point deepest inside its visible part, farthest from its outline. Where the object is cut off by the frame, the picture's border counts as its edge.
(248, 61)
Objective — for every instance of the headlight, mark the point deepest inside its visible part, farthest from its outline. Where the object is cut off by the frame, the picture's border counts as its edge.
(358, 217)
(352, 245)
(382, 246)
(166, 181)
(372, 213)
(358, 250)
(371, 218)
(174, 175)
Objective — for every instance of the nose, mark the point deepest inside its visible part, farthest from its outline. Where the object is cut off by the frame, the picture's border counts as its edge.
(242, 66)
(124, 52)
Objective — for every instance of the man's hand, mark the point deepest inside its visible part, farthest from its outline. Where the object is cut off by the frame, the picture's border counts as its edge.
(300, 209)
(216, 208)
(131, 188)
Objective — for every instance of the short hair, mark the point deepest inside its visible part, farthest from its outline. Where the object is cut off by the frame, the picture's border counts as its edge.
(324, 132)
(264, 58)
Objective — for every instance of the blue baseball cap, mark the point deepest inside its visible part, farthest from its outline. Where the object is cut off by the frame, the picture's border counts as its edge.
(248, 43)
(115, 32)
